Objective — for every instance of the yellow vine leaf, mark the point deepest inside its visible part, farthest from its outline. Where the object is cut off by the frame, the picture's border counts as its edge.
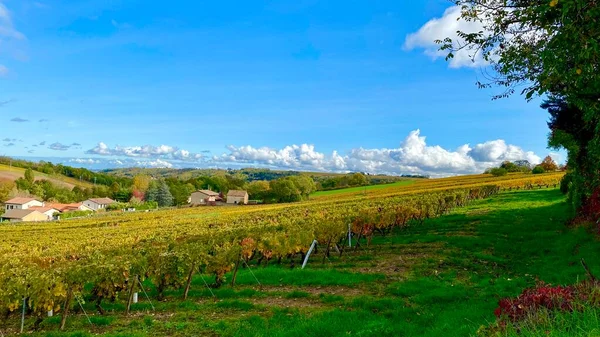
(578, 71)
(553, 3)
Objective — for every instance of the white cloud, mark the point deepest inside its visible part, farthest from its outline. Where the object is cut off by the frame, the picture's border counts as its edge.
(3, 71)
(441, 28)
(145, 151)
(158, 163)
(7, 29)
(88, 161)
(414, 156)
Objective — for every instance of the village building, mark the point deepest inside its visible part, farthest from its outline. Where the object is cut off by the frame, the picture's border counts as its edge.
(22, 203)
(23, 215)
(97, 204)
(237, 197)
(204, 197)
(48, 211)
(78, 206)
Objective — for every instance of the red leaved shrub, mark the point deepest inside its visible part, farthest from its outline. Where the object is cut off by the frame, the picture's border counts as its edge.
(558, 298)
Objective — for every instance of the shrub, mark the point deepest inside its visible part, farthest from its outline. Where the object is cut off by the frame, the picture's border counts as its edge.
(565, 182)
(498, 172)
(538, 169)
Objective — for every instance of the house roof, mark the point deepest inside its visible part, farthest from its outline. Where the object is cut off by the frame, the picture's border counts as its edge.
(20, 201)
(64, 207)
(236, 193)
(209, 193)
(18, 213)
(43, 209)
(103, 201)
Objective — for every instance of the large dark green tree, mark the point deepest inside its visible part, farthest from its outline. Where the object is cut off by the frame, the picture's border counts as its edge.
(548, 48)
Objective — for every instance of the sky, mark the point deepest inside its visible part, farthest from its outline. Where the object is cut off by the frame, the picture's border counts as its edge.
(303, 85)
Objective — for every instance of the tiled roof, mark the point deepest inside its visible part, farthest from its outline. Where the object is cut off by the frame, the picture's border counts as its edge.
(17, 213)
(20, 201)
(103, 201)
(236, 193)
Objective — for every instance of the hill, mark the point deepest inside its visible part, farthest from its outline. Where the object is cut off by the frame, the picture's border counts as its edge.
(12, 173)
(441, 273)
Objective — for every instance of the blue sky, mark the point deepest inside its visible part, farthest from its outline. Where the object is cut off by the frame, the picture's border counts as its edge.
(236, 82)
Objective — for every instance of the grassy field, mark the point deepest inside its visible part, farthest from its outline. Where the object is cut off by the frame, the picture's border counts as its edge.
(13, 173)
(443, 278)
(362, 188)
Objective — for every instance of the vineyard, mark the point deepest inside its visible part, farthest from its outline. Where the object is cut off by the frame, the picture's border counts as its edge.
(55, 268)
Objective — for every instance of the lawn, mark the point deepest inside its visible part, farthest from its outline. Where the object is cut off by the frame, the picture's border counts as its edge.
(441, 278)
(362, 188)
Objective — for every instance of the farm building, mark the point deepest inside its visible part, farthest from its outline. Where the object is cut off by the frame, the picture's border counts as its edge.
(79, 206)
(98, 203)
(25, 215)
(48, 211)
(237, 197)
(22, 203)
(203, 197)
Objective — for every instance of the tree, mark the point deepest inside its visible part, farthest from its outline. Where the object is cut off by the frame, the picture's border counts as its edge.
(549, 165)
(284, 190)
(509, 167)
(538, 169)
(550, 48)
(141, 182)
(29, 177)
(358, 179)
(305, 185)
(498, 171)
(258, 190)
(159, 192)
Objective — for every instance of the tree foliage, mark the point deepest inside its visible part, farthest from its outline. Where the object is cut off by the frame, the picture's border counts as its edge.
(547, 48)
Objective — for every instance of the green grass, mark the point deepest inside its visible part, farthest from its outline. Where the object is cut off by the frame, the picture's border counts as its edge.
(362, 188)
(442, 278)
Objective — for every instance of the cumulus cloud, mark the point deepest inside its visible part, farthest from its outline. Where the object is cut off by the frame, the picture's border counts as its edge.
(19, 120)
(9, 144)
(58, 147)
(88, 161)
(42, 143)
(147, 151)
(413, 156)
(441, 28)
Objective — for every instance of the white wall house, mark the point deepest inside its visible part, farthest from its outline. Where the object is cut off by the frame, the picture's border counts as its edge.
(22, 203)
(237, 197)
(97, 204)
(203, 197)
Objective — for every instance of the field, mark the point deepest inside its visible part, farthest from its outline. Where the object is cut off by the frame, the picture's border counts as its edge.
(440, 273)
(13, 173)
(363, 189)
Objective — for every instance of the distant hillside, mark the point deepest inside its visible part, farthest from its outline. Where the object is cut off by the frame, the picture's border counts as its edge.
(252, 174)
(12, 173)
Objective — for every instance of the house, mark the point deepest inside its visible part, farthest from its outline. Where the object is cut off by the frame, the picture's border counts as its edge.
(22, 203)
(237, 197)
(97, 204)
(78, 206)
(48, 211)
(25, 215)
(203, 197)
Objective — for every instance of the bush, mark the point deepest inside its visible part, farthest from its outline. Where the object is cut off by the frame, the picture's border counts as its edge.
(498, 172)
(538, 169)
(565, 182)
